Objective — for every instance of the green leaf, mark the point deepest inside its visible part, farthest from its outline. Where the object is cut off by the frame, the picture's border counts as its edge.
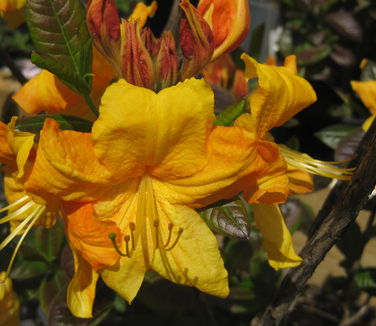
(49, 242)
(35, 124)
(230, 114)
(63, 45)
(332, 135)
(28, 269)
(230, 219)
(49, 287)
(365, 279)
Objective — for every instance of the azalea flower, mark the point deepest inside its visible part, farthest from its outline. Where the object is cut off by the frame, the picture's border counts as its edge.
(128, 189)
(9, 304)
(17, 153)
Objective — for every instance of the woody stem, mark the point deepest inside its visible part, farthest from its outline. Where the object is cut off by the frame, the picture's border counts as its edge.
(345, 202)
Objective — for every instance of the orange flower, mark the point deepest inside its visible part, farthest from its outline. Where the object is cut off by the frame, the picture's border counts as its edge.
(12, 11)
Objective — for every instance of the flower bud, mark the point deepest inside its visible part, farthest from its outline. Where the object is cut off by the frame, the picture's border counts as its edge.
(167, 61)
(229, 21)
(103, 22)
(136, 64)
(196, 40)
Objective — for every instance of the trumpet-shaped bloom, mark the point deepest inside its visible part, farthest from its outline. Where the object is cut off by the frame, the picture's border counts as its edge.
(129, 189)
(9, 304)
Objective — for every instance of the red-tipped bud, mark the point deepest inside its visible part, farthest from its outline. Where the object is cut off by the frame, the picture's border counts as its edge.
(136, 64)
(196, 40)
(152, 44)
(240, 85)
(167, 62)
(229, 21)
(103, 22)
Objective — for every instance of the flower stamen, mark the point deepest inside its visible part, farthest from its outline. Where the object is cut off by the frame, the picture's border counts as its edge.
(305, 162)
(180, 231)
(112, 237)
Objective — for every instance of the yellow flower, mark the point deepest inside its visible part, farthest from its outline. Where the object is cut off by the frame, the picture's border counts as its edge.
(12, 11)
(17, 154)
(129, 189)
(9, 304)
(280, 94)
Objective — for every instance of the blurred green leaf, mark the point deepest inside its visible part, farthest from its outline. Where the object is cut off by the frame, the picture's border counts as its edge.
(332, 135)
(230, 219)
(58, 30)
(28, 269)
(49, 241)
(309, 55)
(348, 146)
(344, 23)
(49, 287)
(343, 56)
(365, 279)
(35, 124)
(256, 41)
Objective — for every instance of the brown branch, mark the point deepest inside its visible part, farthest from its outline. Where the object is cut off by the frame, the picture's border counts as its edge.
(7, 60)
(337, 215)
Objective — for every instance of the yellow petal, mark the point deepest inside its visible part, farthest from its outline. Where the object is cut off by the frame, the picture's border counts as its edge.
(367, 92)
(6, 152)
(280, 95)
(195, 259)
(300, 182)
(366, 124)
(138, 129)
(9, 304)
(142, 12)
(66, 166)
(277, 238)
(231, 159)
(81, 289)
(21, 144)
(10, 5)
(126, 277)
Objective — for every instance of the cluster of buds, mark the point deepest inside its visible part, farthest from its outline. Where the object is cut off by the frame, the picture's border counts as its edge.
(155, 63)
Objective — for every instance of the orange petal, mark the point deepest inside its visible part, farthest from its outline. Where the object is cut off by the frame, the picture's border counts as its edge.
(6, 152)
(89, 235)
(231, 160)
(66, 166)
(229, 20)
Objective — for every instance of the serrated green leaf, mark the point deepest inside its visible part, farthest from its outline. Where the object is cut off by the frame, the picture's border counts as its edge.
(366, 278)
(230, 114)
(230, 219)
(35, 124)
(332, 135)
(58, 30)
